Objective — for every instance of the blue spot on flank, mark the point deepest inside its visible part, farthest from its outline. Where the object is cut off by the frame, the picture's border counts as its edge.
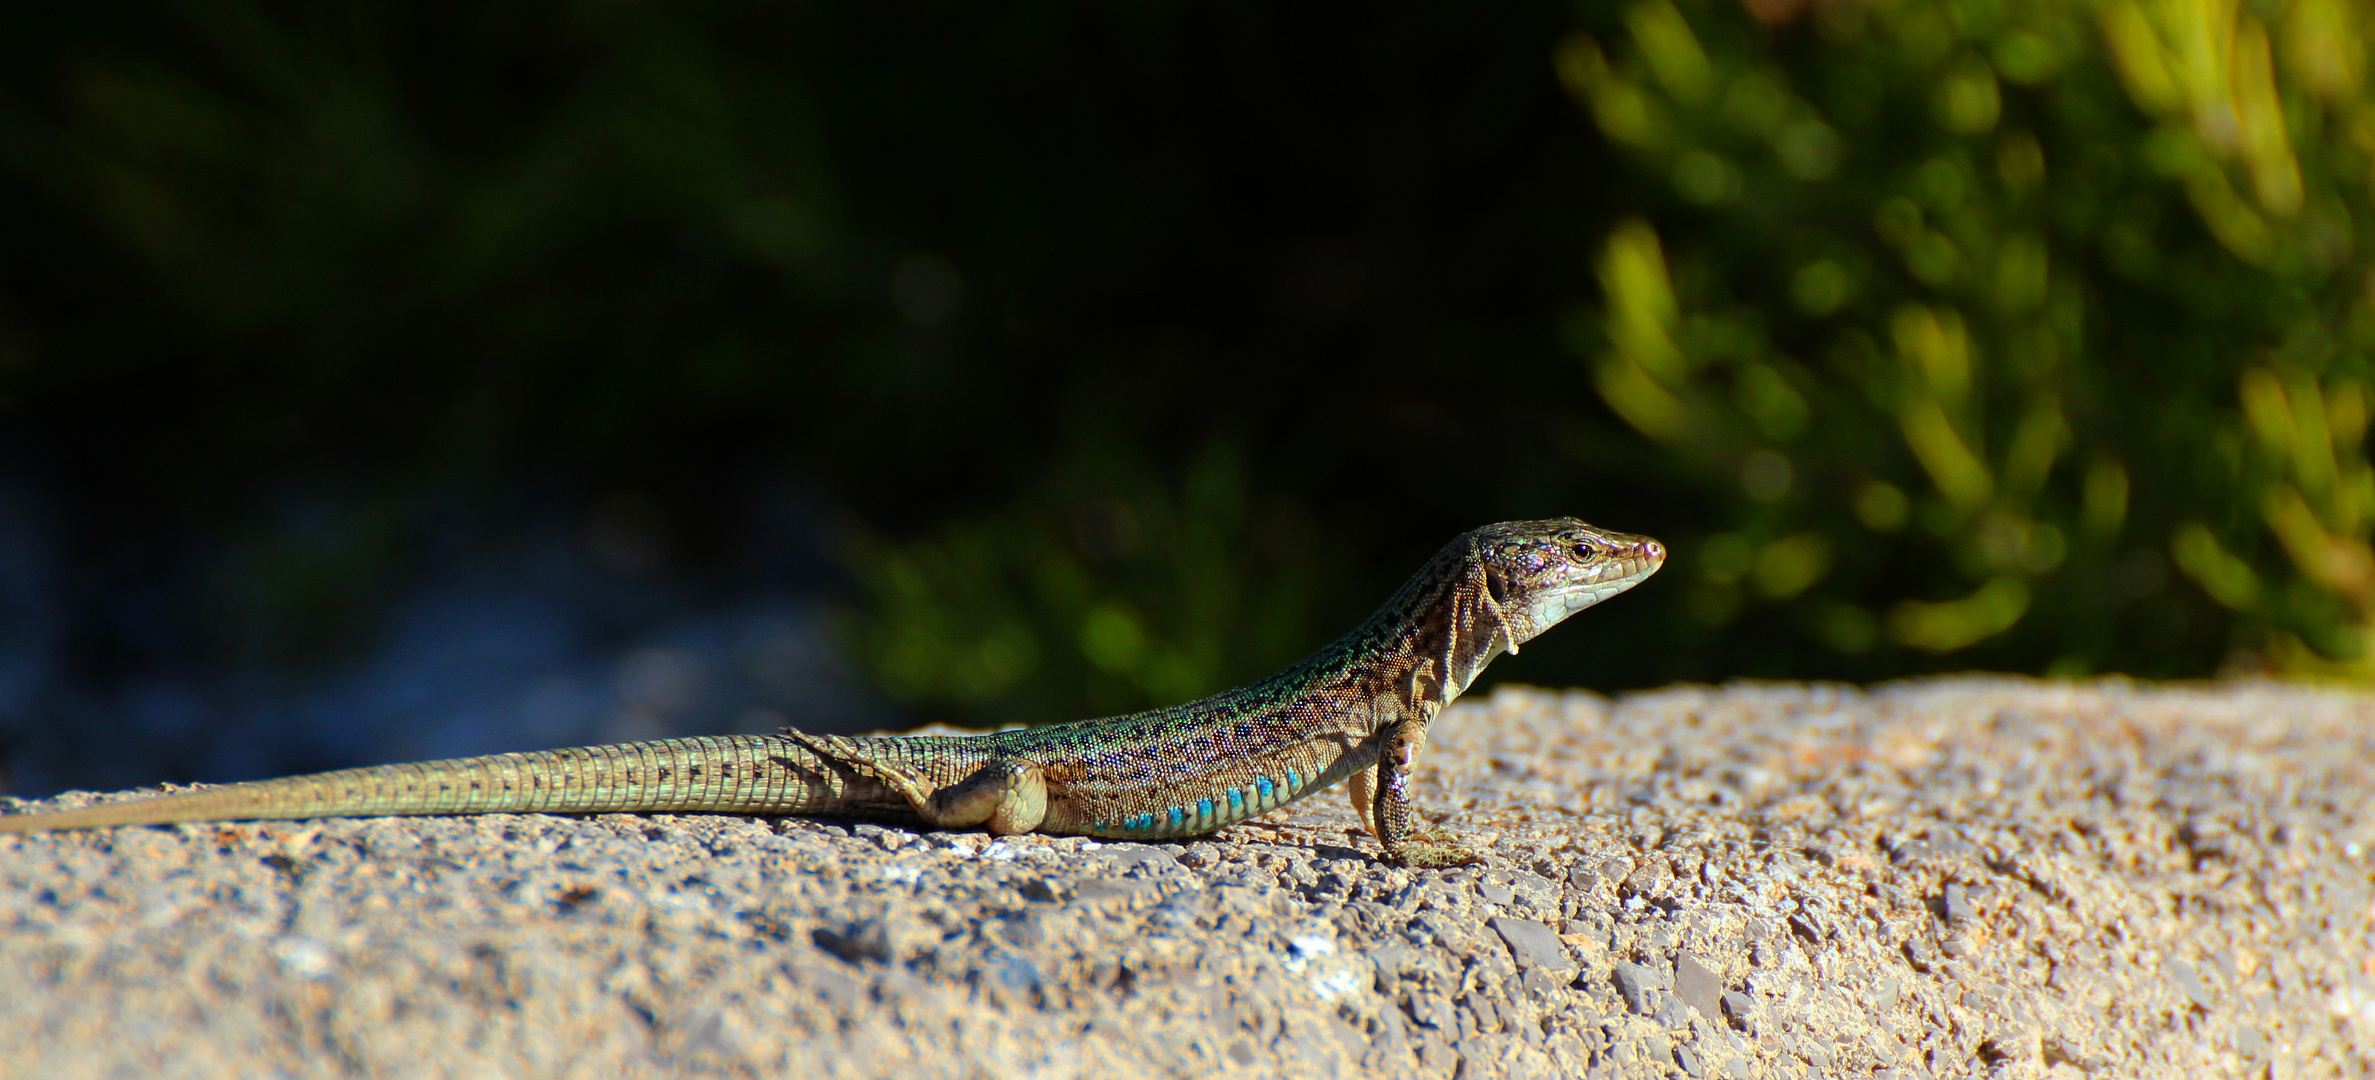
(1236, 800)
(1176, 815)
(1293, 779)
(1263, 782)
(1203, 808)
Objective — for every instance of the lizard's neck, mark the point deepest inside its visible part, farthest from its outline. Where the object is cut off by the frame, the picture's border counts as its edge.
(1415, 655)
(1423, 648)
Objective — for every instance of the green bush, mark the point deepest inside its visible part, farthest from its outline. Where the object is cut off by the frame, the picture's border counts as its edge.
(1104, 590)
(2027, 335)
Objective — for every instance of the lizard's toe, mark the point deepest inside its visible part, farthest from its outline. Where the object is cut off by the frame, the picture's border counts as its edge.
(1433, 855)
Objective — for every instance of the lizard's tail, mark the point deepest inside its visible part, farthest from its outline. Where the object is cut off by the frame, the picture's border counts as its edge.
(727, 774)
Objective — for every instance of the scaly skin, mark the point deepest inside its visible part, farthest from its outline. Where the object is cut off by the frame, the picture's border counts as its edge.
(1356, 710)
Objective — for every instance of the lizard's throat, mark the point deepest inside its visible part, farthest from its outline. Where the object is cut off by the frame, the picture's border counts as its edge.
(1553, 606)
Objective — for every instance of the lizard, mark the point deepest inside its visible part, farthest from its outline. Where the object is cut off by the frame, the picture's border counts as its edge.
(1355, 712)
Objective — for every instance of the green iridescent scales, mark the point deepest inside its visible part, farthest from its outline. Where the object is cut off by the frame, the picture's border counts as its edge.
(1356, 710)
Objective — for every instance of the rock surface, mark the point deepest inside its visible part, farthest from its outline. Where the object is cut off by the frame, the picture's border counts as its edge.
(1951, 878)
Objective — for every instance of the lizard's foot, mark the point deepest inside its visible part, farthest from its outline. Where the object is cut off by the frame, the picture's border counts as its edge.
(1432, 848)
(1430, 856)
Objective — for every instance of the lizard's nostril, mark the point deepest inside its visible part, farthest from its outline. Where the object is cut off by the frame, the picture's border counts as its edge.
(1651, 549)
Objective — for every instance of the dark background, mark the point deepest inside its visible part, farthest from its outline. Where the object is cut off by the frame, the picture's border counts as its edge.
(407, 380)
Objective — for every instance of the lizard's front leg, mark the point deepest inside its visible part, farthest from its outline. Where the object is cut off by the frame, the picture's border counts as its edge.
(1003, 796)
(1392, 814)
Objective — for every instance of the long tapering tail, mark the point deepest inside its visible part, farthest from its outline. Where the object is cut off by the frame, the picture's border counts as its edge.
(724, 774)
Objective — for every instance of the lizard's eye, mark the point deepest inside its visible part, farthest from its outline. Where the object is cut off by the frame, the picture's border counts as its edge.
(1586, 551)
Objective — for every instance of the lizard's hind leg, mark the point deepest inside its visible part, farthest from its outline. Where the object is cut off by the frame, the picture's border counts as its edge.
(1361, 786)
(1003, 796)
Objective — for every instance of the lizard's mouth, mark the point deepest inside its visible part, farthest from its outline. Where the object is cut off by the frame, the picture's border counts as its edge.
(1607, 579)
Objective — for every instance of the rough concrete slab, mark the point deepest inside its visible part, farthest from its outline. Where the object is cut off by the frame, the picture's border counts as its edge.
(1948, 878)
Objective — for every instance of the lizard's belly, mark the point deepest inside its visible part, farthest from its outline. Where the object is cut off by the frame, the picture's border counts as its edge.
(1226, 794)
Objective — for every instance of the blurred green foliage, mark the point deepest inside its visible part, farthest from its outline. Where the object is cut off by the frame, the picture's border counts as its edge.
(1977, 318)
(1106, 581)
(1147, 345)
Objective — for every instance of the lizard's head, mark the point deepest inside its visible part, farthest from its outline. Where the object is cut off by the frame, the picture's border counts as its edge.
(1543, 571)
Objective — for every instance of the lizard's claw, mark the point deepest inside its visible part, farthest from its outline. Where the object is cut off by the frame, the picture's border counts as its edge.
(1433, 856)
(1432, 848)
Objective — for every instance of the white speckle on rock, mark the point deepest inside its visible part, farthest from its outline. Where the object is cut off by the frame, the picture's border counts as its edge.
(303, 958)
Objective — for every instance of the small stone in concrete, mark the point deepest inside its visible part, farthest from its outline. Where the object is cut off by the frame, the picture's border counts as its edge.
(1539, 982)
(1044, 890)
(2185, 980)
(1957, 902)
(864, 940)
(1638, 986)
(1430, 1010)
(1480, 1006)
(1804, 925)
(1532, 944)
(1122, 858)
(890, 839)
(2250, 1044)
(1697, 986)
(1740, 1007)
(1112, 895)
